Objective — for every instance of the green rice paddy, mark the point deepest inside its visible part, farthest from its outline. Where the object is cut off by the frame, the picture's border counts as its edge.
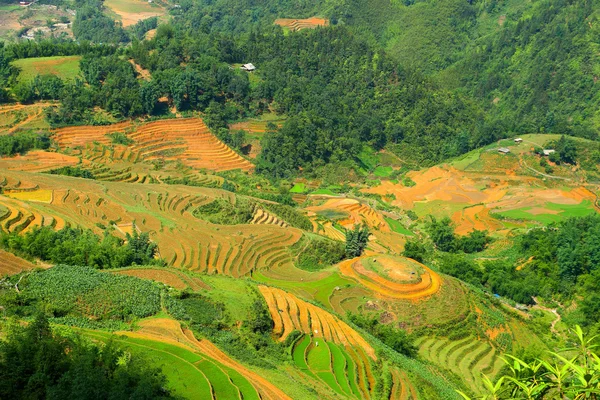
(397, 227)
(564, 211)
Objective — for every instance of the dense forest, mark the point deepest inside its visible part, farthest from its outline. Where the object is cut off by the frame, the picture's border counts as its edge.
(429, 91)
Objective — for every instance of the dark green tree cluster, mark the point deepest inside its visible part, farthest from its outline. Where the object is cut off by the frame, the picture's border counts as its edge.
(357, 239)
(92, 24)
(443, 236)
(320, 253)
(76, 246)
(35, 363)
(397, 339)
(76, 172)
(42, 87)
(21, 143)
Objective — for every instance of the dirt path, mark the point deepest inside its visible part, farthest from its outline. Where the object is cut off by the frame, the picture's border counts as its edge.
(524, 164)
(552, 310)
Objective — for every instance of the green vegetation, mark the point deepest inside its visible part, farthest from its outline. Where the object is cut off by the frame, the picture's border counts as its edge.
(21, 143)
(557, 213)
(397, 227)
(76, 246)
(37, 363)
(320, 253)
(120, 138)
(221, 211)
(290, 215)
(397, 339)
(356, 240)
(84, 292)
(76, 172)
(442, 235)
(572, 373)
(65, 68)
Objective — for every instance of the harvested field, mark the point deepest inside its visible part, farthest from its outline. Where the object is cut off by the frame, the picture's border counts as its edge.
(469, 197)
(11, 264)
(264, 217)
(163, 211)
(38, 161)
(298, 24)
(352, 212)
(187, 140)
(289, 313)
(132, 11)
(427, 284)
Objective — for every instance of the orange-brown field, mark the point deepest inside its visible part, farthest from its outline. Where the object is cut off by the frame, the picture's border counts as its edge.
(469, 197)
(186, 140)
(298, 24)
(11, 264)
(38, 161)
(428, 283)
(163, 211)
(132, 11)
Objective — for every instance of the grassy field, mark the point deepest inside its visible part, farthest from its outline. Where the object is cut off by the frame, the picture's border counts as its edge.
(398, 227)
(63, 67)
(556, 212)
(298, 188)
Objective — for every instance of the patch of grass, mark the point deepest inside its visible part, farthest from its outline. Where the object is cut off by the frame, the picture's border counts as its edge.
(176, 362)
(63, 67)
(298, 188)
(318, 290)
(397, 227)
(333, 215)
(564, 211)
(130, 6)
(383, 172)
(324, 191)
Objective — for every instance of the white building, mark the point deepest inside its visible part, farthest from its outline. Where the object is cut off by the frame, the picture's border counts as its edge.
(248, 67)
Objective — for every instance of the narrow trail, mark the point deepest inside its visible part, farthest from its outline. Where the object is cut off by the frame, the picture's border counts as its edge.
(524, 164)
(552, 310)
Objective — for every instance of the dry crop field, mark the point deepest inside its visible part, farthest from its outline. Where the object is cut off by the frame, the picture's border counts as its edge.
(298, 24)
(186, 140)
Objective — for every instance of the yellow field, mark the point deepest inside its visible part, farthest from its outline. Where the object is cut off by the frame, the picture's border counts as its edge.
(42, 196)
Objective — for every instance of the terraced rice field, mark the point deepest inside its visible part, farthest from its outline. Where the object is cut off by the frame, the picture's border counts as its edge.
(353, 213)
(38, 161)
(343, 370)
(11, 264)
(298, 24)
(196, 369)
(429, 282)
(163, 211)
(187, 140)
(468, 357)
(264, 217)
(289, 313)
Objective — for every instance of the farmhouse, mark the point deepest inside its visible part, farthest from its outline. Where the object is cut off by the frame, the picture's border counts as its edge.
(518, 140)
(248, 67)
(547, 152)
(504, 150)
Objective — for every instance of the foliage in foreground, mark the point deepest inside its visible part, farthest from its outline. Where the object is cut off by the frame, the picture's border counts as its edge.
(37, 364)
(574, 374)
